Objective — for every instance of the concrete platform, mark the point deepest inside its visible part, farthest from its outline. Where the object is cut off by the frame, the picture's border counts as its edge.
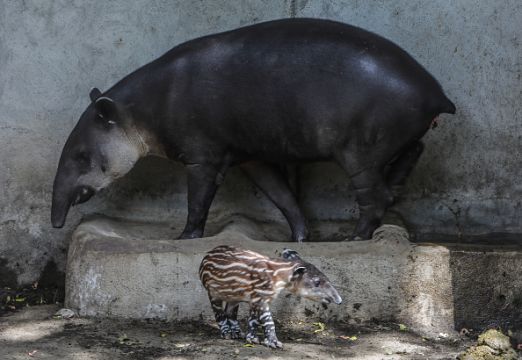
(132, 270)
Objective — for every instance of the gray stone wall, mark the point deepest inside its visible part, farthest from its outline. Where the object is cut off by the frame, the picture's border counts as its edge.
(53, 52)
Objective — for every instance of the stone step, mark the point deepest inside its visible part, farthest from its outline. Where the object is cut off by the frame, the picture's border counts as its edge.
(133, 270)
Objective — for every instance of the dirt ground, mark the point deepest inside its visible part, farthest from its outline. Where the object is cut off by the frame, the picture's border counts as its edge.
(32, 333)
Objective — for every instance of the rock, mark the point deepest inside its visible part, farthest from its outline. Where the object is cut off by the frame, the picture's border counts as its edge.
(64, 314)
(494, 339)
(492, 345)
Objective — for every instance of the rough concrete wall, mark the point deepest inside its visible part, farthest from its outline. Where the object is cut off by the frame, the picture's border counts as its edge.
(53, 52)
(467, 179)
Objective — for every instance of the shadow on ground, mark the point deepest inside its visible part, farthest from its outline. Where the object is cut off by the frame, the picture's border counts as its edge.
(33, 333)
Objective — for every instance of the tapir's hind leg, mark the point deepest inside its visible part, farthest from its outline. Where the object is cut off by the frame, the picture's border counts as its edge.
(221, 317)
(202, 183)
(372, 193)
(400, 168)
(275, 186)
(231, 313)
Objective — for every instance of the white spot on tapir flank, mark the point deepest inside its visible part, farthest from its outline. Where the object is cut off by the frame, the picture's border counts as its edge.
(156, 311)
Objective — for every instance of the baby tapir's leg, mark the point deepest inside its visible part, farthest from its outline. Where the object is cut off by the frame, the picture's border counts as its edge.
(253, 322)
(266, 320)
(221, 318)
(231, 314)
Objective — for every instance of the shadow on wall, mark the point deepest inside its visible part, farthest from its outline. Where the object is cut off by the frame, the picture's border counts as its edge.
(155, 190)
(485, 284)
(7, 276)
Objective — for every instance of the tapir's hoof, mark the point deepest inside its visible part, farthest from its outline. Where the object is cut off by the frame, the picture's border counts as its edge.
(363, 232)
(273, 343)
(298, 239)
(190, 235)
(355, 238)
(237, 335)
(300, 236)
(252, 339)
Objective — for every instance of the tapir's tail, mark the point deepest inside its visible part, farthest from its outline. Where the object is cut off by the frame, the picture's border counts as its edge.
(446, 106)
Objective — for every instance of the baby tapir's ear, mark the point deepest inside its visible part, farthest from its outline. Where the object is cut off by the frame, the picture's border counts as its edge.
(290, 254)
(298, 271)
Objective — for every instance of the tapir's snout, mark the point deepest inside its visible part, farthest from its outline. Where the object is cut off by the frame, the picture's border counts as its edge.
(59, 210)
(64, 198)
(338, 299)
(58, 224)
(334, 296)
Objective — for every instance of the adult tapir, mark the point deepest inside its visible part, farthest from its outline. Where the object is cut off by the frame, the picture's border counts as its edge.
(260, 96)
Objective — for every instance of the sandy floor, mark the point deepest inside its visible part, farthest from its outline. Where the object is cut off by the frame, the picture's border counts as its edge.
(33, 334)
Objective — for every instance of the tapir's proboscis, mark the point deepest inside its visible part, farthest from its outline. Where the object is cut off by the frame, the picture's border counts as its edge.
(261, 97)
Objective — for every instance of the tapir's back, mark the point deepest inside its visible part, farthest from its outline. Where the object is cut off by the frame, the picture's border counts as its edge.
(328, 47)
(301, 88)
(236, 275)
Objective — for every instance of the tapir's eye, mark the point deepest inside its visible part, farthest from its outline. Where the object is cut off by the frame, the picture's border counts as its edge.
(83, 158)
(317, 282)
(83, 194)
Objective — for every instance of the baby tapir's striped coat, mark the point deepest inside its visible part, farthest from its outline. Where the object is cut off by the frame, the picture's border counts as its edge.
(233, 275)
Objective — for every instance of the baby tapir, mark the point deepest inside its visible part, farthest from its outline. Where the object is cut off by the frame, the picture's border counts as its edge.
(232, 275)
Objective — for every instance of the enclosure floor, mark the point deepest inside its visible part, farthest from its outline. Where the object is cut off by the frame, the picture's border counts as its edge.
(33, 331)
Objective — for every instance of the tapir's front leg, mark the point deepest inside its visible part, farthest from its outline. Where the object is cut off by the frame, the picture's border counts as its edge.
(202, 181)
(253, 322)
(267, 322)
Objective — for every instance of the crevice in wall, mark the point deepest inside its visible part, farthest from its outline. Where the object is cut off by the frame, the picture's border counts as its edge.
(292, 8)
(7, 276)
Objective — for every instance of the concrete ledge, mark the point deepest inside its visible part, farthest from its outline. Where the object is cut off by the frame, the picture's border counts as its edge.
(115, 269)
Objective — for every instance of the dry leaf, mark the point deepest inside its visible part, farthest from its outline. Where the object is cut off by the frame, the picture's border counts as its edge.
(351, 338)
(320, 326)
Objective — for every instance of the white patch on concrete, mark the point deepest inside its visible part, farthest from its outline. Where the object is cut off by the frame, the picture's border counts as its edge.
(156, 311)
(426, 309)
(100, 230)
(91, 297)
(35, 230)
(427, 272)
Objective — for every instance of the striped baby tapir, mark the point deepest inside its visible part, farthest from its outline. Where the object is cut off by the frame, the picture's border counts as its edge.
(232, 275)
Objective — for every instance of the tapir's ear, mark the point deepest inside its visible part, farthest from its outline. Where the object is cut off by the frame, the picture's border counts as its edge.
(95, 94)
(106, 109)
(300, 270)
(290, 254)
